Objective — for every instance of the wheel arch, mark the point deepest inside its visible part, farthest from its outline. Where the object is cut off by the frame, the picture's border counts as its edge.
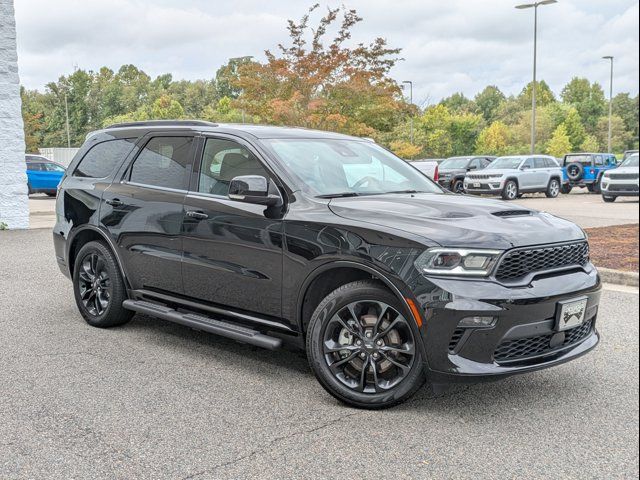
(84, 235)
(308, 298)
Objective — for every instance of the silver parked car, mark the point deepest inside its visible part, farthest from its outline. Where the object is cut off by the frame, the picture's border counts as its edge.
(621, 181)
(513, 176)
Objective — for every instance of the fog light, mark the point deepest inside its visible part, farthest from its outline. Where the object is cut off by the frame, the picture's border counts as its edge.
(477, 322)
(605, 185)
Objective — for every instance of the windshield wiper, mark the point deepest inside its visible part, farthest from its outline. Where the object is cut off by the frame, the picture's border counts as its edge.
(339, 195)
(408, 191)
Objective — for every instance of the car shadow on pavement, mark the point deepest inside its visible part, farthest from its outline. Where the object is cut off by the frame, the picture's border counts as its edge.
(529, 391)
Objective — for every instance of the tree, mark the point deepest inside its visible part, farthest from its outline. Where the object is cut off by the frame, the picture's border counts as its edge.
(627, 108)
(587, 98)
(621, 139)
(227, 77)
(464, 129)
(544, 95)
(333, 87)
(590, 144)
(164, 108)
(458, 103)
(488, 102)
(560, 143)
(574, 128)
(493, 140)
(405, 149)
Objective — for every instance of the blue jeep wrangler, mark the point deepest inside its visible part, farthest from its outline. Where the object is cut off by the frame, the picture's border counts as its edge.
(585, 170)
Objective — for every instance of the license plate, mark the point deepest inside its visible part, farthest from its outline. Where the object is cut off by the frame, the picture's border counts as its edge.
(477, 185)
(571, 313)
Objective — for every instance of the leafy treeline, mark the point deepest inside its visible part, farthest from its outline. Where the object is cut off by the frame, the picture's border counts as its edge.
(333, 85)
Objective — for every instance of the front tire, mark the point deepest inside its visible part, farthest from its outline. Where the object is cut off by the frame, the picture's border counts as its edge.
(363, 347)
(609, 198)
(553, 189)
(98, 287)
(458, 186)
(510, 190)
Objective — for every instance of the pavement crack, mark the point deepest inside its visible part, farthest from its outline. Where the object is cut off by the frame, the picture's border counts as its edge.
(270, 445)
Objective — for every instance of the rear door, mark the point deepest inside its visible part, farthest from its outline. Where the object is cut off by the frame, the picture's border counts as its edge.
(542, 172)
(143, 211)
(35, 175)
(54, 173)
(232, 250)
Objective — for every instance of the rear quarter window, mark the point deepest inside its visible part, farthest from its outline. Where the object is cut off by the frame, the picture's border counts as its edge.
(101, 160)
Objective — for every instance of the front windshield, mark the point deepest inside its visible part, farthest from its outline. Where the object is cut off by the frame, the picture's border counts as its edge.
(327, 168)
(454, 163)
(507, 163)
(632, 161)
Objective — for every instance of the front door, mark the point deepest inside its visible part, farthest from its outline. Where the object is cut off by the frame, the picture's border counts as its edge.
(232, 250)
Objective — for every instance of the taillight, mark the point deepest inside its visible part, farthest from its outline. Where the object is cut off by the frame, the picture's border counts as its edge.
(592, 171)
(436, 174)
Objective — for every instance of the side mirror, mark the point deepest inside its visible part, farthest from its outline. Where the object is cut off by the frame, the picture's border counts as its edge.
(254, 189)
(471, 167)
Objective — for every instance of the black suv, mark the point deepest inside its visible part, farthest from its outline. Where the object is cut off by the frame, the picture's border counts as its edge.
(328, 242)
(453, 171)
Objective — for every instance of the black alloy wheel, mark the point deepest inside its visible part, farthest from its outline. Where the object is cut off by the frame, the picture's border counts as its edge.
(94, 284)
(362, 347)
(98, 286)
(458, 186)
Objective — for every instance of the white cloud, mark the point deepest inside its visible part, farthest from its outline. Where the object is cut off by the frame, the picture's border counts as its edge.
(458, 45)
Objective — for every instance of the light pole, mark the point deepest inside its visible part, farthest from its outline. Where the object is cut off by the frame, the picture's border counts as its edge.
(535, 52)
(410, 83)
(610, 58)
(66, 115)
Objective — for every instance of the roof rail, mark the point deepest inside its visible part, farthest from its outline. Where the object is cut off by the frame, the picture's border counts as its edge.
(160, 123)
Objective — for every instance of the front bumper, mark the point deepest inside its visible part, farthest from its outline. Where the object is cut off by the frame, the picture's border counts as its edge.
(620, 188)
(484, 186)
(523, 337)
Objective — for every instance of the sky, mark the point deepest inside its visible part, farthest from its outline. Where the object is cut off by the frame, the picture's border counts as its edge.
(447, 46)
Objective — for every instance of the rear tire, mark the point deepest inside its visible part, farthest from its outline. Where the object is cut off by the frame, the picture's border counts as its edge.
(98, 287)
(51, 194)
(566, 189)
(351, 361)
(553, 189)
(510, 190)
(609, 198)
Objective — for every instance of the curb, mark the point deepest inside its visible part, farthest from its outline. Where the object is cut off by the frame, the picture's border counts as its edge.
(618, 277)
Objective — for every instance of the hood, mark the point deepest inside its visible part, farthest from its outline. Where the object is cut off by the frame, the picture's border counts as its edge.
(459, 220)
(624, 170)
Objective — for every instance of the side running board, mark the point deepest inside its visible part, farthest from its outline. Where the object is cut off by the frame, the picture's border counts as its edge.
(206, 324)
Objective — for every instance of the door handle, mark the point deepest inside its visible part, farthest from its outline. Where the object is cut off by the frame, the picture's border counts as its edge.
(197, 215)
(114, 203)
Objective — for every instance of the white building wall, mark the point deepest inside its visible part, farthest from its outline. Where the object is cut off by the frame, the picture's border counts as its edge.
(14, 201)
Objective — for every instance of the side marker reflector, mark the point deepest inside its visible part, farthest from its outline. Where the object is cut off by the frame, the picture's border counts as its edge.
(415, 312)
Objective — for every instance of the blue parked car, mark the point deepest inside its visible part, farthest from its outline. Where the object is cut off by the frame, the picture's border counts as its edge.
(43, 175)
(585, 170)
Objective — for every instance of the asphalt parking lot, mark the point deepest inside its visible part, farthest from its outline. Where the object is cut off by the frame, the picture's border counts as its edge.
(157, 400)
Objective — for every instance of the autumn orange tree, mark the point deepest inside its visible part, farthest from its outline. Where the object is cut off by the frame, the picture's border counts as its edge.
(324, 85)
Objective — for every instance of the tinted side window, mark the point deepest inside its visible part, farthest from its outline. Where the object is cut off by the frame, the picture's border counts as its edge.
(163, 162)
(475, 164)
(53, 167)
(599, 160)
(102, 159)
(528, 163)
(223, 160)
(34, 167)
(540, 162)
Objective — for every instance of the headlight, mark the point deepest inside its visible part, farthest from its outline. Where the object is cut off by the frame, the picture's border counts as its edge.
(456, 261)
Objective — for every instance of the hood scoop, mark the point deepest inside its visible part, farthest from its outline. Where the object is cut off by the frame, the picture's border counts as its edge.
(512, 213)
